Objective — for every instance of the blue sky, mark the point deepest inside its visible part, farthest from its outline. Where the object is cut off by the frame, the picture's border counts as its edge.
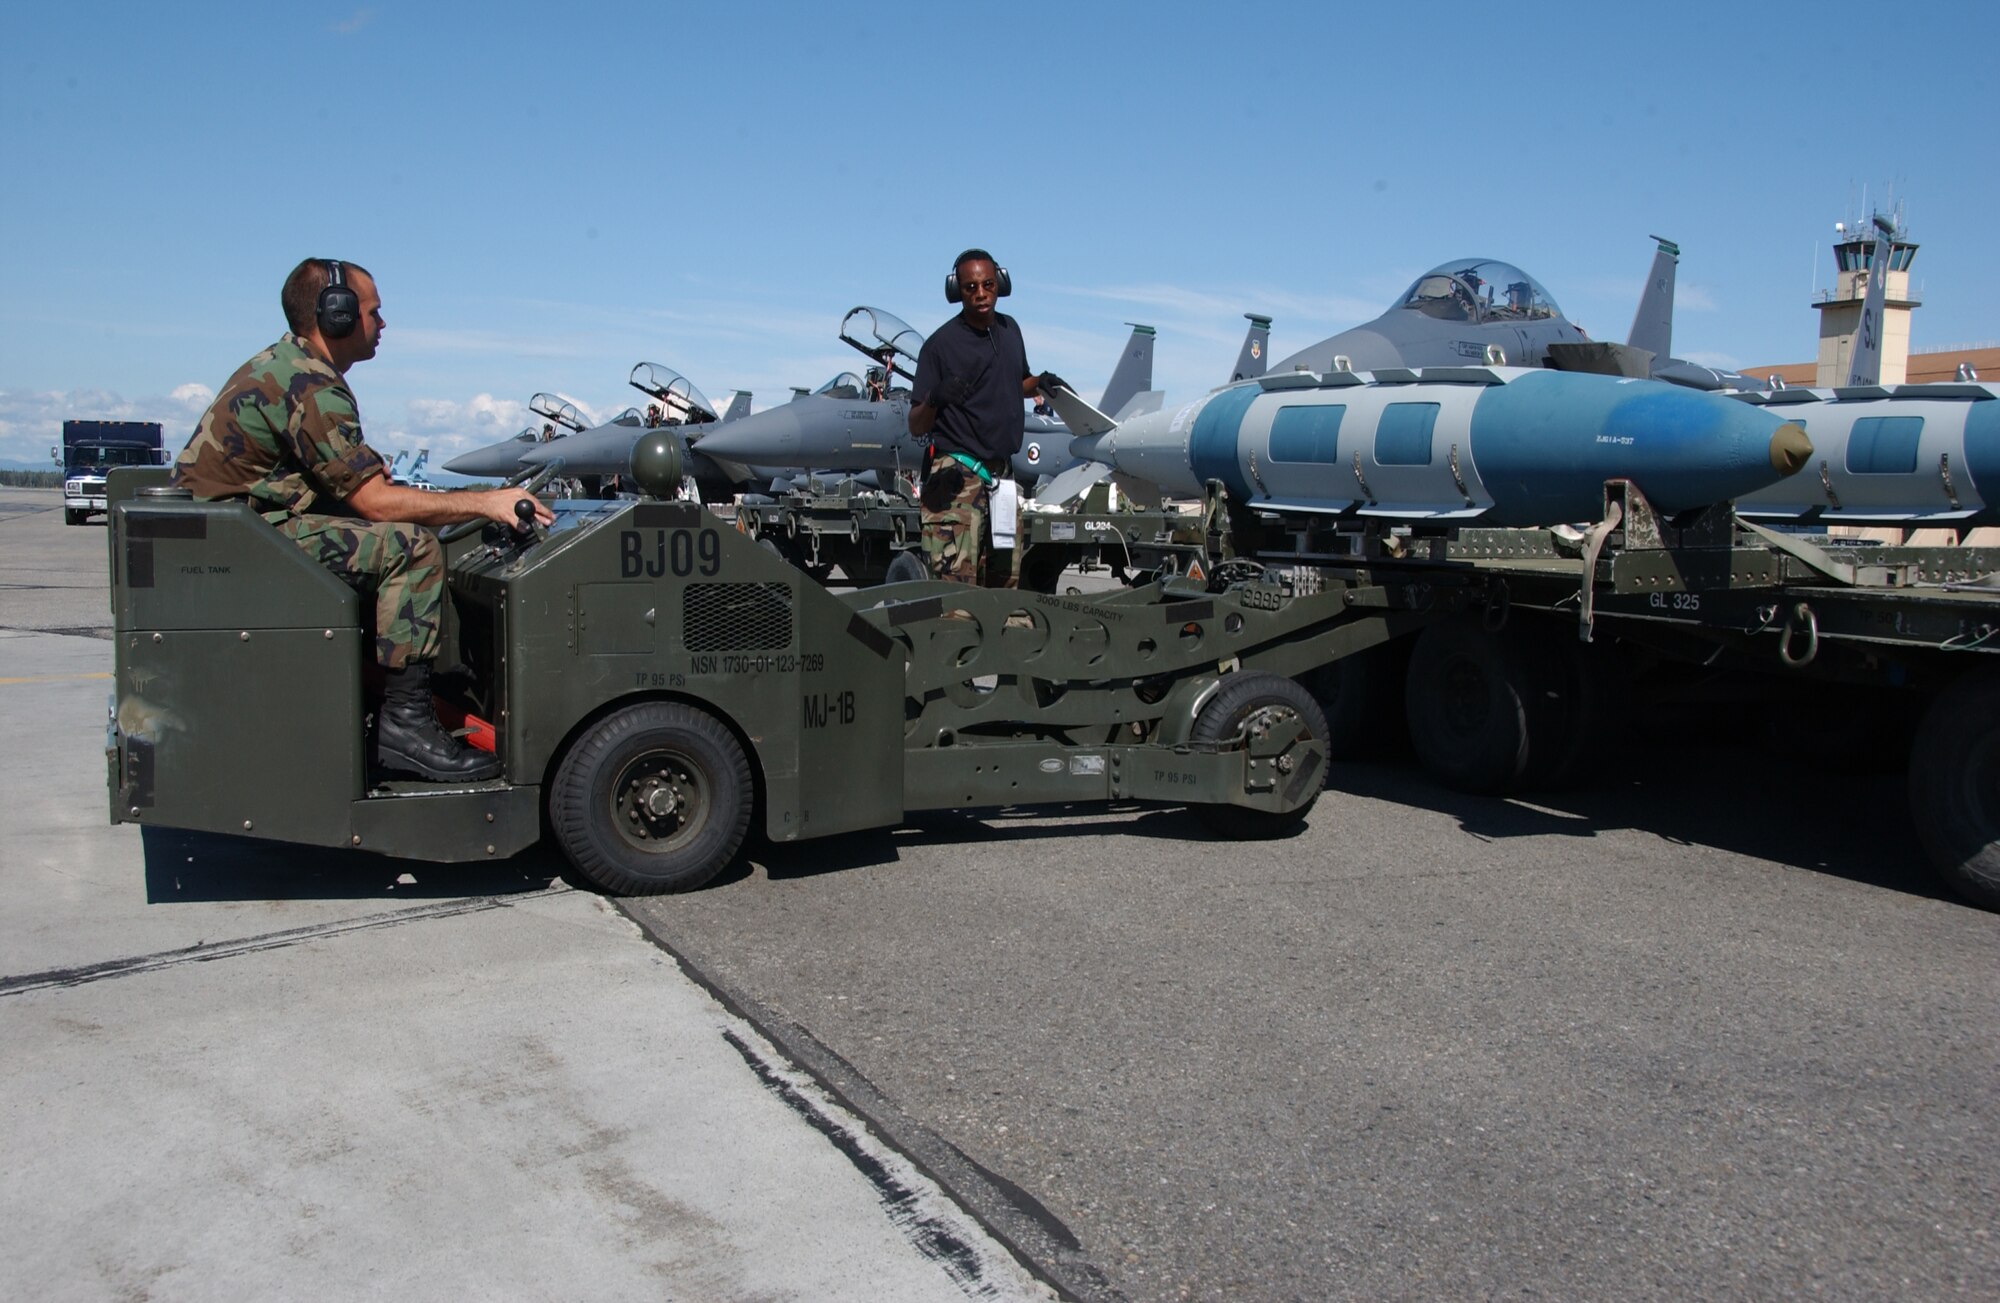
(549, 194)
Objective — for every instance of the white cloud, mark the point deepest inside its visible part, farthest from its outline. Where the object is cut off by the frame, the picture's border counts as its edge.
(31, 419)
(449, 426)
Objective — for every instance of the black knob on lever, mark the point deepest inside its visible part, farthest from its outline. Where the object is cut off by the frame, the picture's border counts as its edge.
(524, 513)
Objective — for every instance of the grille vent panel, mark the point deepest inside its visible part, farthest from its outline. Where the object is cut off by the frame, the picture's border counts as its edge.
(737, 617)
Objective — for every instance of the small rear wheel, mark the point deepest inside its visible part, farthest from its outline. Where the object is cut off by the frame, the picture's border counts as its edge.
(1476, 705)
(1361, 696)
(906, 567)
(654, 798)
(1042, 569)
(1955, 786)
(1262, 708)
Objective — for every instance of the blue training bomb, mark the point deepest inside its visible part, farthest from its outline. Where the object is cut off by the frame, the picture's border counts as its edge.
(1496, 445)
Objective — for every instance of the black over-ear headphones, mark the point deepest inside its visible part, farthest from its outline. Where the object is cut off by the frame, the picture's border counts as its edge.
(951, 290)
(339, 308)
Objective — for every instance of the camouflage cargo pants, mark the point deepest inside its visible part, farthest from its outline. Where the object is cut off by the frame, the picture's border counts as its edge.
(955, 539)
(402, 565)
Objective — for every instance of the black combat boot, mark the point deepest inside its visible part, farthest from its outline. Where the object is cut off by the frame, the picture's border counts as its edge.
(409, 739)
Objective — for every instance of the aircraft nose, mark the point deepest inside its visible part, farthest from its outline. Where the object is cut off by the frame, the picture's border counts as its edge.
(1790, 448)
(767, 437)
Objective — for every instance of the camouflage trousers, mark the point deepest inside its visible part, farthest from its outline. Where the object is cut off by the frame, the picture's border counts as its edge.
(401, 565)
(955, 538)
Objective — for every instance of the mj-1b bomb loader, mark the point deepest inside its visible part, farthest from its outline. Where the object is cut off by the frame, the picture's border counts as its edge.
(654, 678)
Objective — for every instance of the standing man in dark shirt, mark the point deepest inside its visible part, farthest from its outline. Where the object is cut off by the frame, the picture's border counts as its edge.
(972, 376)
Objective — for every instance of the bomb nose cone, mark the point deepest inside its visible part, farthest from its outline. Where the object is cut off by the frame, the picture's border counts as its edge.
(1790, 448)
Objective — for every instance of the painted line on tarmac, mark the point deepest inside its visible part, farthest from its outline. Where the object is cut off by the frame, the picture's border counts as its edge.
(936, 1239)
(202, 953)
(1035, 1237)
(53, 678)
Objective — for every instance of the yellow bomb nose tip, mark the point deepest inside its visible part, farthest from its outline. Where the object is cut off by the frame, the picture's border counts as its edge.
(1790, 449)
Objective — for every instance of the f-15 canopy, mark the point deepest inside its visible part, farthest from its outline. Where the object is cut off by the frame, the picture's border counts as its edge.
(844, 385)
(872, 330)
(560, 410)
(682, 403)
(1480, 289)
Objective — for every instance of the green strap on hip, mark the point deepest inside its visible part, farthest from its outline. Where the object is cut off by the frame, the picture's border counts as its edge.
(974, 465)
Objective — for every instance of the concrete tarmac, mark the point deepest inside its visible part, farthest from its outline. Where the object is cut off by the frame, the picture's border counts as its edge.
(1704, 1028)
(239, 1070)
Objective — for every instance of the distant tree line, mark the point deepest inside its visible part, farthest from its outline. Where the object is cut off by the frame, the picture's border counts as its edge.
(31, 479)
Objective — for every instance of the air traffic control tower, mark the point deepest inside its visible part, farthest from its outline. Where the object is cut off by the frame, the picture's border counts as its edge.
(1840, 307)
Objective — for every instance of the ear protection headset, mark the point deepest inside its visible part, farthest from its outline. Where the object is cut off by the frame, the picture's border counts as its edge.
(951, 290)
(339, 308)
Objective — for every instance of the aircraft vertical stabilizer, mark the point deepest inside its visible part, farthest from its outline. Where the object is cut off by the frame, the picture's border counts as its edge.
(1864, 365)
(1256, 349)
(1134, 373)
(1653, 323)
(739, 405)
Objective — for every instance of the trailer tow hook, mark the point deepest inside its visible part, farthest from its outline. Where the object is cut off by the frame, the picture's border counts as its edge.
(1801, 621)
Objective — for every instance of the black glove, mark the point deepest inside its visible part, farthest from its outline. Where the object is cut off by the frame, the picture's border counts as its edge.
(953, 392)
(1050, 382)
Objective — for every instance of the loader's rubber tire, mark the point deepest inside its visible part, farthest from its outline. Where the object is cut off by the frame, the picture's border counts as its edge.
(1580, 690)
(1043, 570)
(1241, 696)
(906, 567)
(1476, 704)
(1955, 785)
(653, 798)
(1362, 698)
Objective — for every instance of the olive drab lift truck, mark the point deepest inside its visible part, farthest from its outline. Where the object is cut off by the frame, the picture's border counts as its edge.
(655, 679)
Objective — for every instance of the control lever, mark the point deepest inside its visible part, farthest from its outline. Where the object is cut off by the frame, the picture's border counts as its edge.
(524, 525)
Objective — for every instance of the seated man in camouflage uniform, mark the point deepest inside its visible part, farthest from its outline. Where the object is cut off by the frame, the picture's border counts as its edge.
(285, 437)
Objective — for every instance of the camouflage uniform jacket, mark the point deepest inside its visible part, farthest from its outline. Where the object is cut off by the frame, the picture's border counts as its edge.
(283, 434)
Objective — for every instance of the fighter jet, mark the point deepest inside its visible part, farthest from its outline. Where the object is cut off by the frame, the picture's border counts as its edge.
(861, 422)
(559, 419)
(679, 406)
(607, 449)
(1461, 313)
